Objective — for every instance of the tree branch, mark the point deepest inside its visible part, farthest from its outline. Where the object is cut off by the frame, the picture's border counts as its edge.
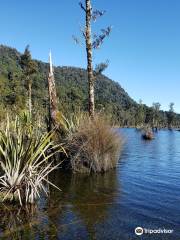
(76, 40)
(82, 6)
(99, 39)
(96, 13)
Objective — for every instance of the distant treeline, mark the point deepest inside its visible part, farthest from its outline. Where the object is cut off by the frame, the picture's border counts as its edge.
(71, 84)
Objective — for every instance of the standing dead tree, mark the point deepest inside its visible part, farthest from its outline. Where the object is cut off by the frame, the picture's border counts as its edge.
(92, 42)
(52, 95)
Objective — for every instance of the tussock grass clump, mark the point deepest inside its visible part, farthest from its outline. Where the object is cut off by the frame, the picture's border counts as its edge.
(95, 146)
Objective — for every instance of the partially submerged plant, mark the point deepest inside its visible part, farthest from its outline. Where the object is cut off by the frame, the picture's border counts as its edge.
(95, 146)
(25, 163)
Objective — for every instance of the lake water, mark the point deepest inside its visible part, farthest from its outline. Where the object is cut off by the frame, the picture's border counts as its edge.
(144, 191)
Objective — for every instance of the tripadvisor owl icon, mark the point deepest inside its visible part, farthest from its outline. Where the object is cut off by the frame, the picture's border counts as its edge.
(139, 231)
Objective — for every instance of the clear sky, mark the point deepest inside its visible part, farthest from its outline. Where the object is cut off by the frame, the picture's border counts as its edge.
(143, 49)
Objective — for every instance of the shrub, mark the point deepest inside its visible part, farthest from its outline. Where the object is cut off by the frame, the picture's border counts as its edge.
(95, 146)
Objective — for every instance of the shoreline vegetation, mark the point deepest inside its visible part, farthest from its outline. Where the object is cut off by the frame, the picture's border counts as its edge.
(47, 124)
(28, 154)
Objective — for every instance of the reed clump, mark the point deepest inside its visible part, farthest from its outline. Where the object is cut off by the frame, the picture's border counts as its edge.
(95, 146)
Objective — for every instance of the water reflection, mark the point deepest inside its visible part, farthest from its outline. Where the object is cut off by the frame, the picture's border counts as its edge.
(74, 212)
(142, 191)
(85, 199)
(17, 222)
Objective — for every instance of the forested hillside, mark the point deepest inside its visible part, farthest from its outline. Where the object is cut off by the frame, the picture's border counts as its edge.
(72, 90)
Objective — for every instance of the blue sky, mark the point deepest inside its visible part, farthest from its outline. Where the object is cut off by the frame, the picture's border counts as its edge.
(143, 49)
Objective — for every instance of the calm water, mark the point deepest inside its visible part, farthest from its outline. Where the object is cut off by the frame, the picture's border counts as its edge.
(143, 191)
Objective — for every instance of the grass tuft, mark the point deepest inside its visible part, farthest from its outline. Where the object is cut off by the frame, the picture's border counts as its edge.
(95, 146)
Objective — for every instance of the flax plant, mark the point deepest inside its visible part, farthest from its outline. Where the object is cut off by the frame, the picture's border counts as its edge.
(25, 163)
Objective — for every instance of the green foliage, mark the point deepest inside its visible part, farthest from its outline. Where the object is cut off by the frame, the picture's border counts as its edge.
(156, 113)
(69, 124)
(72, 91)
(171, 115)
(29, 66)
(140, 114)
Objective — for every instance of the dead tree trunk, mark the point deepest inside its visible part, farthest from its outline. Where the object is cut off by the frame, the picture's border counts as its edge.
(89, 58)
(92, 43)
(52, 96)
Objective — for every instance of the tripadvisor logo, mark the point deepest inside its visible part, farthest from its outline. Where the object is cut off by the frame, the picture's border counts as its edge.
(139, 231)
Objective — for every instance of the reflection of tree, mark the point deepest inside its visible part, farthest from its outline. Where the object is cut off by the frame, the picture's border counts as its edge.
(93, 192)
(93, 195)
(89, 198)
(57, 203)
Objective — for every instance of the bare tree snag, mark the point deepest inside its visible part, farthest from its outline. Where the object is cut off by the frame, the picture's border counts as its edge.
(52, 94)
(89, 58)
(92, 42)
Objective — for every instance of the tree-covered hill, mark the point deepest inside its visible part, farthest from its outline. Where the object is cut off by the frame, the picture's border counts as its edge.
(71, 84)
(72, 90)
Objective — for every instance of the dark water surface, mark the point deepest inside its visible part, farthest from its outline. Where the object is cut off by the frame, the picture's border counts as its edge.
(143, 191)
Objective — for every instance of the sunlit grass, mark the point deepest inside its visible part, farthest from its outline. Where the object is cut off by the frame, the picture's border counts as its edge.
(94, 146)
